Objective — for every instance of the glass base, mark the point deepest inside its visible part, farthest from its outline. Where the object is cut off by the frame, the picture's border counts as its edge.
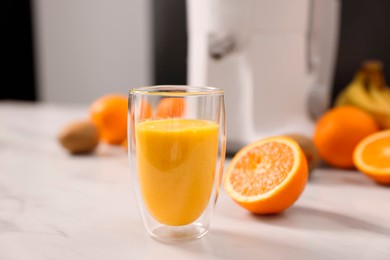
(179, 233)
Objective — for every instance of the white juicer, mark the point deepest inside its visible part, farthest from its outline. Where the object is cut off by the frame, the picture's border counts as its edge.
(273, 58)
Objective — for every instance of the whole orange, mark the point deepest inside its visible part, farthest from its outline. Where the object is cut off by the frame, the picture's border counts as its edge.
(338, 132)
(170, 107)
(109, 114)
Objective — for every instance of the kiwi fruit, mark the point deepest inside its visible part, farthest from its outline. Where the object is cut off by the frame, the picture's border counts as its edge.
(79, 137)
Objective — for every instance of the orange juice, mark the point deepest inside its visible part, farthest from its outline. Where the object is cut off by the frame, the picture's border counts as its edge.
(176, 160)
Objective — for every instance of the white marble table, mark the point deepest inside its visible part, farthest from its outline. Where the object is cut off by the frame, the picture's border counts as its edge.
(57, 206)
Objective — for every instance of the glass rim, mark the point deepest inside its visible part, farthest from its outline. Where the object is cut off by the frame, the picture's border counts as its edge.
(177, 90)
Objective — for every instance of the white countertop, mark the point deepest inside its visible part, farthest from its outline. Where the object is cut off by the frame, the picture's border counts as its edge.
(57, 206)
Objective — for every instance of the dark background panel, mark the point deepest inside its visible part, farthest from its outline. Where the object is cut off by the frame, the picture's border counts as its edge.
(170, 42)
(364, 34)
(17, 59)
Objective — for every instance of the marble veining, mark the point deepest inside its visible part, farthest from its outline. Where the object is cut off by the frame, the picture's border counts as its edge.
(57, 206)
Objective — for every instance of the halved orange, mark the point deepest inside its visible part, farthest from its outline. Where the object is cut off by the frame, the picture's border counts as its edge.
(372, 156)
(267, 176)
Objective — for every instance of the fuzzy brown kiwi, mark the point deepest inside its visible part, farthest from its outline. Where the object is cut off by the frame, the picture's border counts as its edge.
(79, 137)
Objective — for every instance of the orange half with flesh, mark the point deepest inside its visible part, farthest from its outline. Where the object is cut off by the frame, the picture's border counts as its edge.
(267, 176)
(372, 156)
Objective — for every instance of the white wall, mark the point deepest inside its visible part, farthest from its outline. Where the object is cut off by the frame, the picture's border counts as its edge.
(87, 48)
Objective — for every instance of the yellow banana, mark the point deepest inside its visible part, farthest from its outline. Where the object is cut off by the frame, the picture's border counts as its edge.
(357, 95)
(379, 92)
(379, 97)
(362, 93)
(386, 94)
(342, 99)
(376, 84)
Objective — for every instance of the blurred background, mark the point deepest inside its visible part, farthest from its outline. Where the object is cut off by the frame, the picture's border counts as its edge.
(77, 50)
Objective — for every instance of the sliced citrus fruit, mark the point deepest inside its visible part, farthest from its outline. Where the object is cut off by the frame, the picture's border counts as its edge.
(267, 176)
(372, 156)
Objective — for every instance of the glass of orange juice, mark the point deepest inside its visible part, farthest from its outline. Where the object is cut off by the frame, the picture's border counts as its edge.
(177, 139)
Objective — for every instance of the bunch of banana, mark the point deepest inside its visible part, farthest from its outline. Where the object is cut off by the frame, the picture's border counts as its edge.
(369, 92)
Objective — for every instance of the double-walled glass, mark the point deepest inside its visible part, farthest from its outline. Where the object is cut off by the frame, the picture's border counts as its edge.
(177, 139)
